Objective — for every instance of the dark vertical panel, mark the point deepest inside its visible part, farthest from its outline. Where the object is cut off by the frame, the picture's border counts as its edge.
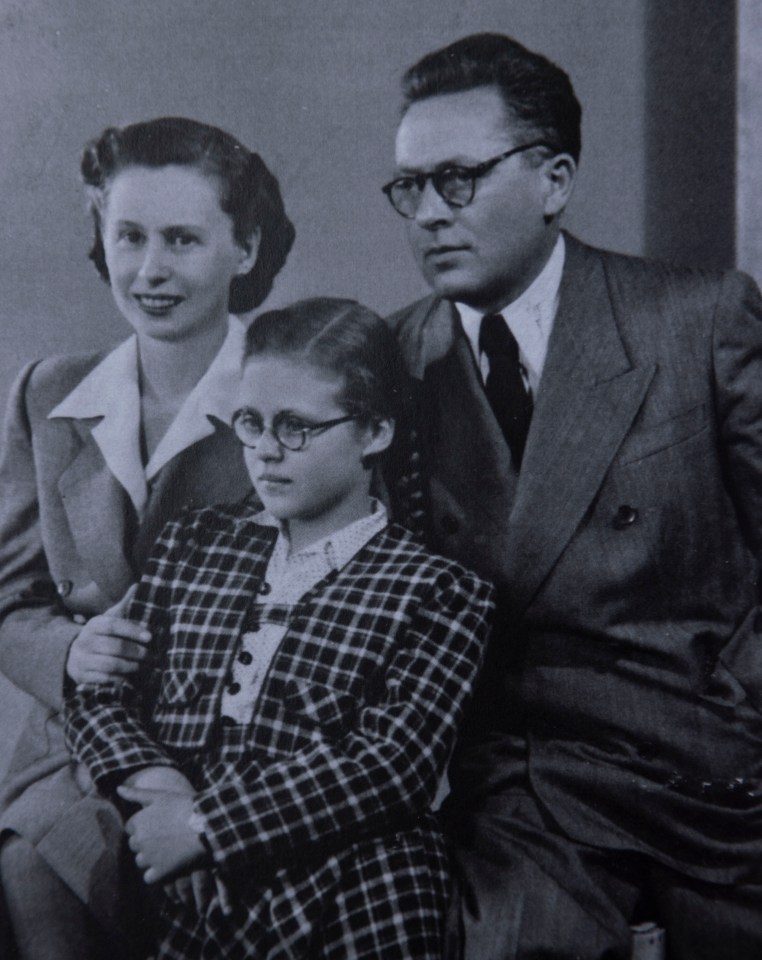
(690, 131)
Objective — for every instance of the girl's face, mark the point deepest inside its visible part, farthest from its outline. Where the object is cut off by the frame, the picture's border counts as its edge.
(170, 250)
(324, 486)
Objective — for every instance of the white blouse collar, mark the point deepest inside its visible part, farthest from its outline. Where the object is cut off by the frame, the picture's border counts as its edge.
(110, 391)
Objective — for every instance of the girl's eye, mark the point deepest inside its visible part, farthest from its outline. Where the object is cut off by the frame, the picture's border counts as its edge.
(294, 425)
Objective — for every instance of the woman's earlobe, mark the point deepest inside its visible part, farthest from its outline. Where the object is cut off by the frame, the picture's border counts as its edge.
(249, 252)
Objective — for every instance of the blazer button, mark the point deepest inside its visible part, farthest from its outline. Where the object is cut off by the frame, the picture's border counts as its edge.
(264, 588)
(234, 688)
(625, 517)
(245, 657)
(449, 524)
(64, 588)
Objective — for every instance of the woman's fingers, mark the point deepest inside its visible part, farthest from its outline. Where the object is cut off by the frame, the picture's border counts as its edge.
(106, 645)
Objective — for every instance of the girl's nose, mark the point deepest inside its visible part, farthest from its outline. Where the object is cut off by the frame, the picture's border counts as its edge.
(268, 447)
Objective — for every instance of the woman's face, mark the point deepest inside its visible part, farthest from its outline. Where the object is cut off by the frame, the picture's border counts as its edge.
(324, 486)
(170, 251)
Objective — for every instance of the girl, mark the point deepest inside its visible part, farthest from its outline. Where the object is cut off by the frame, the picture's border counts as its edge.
(311, 666)
(98, 453)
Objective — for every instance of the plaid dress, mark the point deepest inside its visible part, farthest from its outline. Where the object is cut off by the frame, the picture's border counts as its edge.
(317, 811)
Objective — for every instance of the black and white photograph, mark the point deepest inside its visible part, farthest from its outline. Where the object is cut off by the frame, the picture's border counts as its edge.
(381, 480)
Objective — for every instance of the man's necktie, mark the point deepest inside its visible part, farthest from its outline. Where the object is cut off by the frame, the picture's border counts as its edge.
(508, 397)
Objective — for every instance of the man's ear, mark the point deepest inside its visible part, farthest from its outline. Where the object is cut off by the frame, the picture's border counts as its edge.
(381, 435)
(249, 251)
(560, 172)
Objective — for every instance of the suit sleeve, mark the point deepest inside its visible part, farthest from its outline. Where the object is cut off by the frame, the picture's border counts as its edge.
(105, 723)
(35, 630)
(738, 385)
(377, 776)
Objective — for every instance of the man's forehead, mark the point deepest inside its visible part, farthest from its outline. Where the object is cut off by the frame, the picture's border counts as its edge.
(462, 127)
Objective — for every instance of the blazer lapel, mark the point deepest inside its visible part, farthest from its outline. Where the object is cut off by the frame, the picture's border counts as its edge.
(588, 398)
(210, 471)
(101, 515)
(472, 493)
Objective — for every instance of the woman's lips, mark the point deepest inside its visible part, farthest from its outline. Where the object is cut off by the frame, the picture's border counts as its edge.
(157, 302)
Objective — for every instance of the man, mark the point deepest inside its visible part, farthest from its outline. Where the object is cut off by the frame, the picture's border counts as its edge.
(591, 434)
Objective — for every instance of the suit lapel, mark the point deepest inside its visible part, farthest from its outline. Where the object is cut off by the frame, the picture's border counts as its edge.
(589, 395)
(472, 492)
(100, 513)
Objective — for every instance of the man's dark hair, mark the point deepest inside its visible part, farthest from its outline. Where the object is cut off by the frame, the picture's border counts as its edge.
(537, 94)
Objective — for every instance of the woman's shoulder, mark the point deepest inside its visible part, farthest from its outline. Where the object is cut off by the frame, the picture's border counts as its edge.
(46, 382)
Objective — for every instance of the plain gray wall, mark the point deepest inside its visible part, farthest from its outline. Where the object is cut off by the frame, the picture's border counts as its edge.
(313, 86)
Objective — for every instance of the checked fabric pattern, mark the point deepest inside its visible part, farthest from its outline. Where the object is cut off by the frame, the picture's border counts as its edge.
(318, 810)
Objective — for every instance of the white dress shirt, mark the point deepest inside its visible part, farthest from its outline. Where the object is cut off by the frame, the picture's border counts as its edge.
(529, 318)
(111, 391)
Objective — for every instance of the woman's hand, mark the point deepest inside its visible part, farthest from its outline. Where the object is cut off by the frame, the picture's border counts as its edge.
(197, 889)
(160, 834)
(165, 778)
(108, 646)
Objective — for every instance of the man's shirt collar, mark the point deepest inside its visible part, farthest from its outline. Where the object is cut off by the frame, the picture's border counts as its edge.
(530, 318)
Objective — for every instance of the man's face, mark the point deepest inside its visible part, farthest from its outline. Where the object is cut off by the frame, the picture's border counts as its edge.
(486, 253)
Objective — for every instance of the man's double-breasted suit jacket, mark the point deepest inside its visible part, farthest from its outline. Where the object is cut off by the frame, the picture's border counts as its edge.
(627, 552)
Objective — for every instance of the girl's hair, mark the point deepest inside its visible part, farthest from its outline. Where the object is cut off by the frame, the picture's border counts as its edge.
(349, 340)
(249, 193)
(345, 338)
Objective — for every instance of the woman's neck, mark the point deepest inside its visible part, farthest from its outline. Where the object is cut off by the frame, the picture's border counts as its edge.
(169, 370)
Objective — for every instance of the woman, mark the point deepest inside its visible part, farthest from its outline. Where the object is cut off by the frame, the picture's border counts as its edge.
(98, 453)
(311, 665)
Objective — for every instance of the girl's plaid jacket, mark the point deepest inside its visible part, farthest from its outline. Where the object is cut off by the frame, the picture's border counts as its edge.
(318, 813)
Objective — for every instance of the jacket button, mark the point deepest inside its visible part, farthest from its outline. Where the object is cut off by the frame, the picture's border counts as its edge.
(449, 524)
(625, 517)
(245, 657)
(234, 688)
(64, 588)
(264, 588)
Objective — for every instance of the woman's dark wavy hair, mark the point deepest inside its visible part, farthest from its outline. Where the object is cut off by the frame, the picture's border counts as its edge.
(537, 93)
(249, 193)
(344, 338)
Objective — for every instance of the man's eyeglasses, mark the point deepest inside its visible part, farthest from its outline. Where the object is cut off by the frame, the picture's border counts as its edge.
(454, 184)
(290, 431)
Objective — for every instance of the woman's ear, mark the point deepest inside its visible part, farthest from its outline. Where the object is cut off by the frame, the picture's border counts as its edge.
(381, 432)
(249, 251)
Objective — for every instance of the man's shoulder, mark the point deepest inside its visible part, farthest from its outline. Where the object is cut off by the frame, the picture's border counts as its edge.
(414, 314)
(648, 277)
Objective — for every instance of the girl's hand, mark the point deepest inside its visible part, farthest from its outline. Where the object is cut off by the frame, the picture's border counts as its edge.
(161, 838)
(108, 646)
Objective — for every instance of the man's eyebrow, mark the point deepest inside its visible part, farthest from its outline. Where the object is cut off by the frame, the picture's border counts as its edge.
(405, 171)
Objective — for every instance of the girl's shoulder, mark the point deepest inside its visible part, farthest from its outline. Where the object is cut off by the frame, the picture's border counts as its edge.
(222, 521)
(396, 547)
